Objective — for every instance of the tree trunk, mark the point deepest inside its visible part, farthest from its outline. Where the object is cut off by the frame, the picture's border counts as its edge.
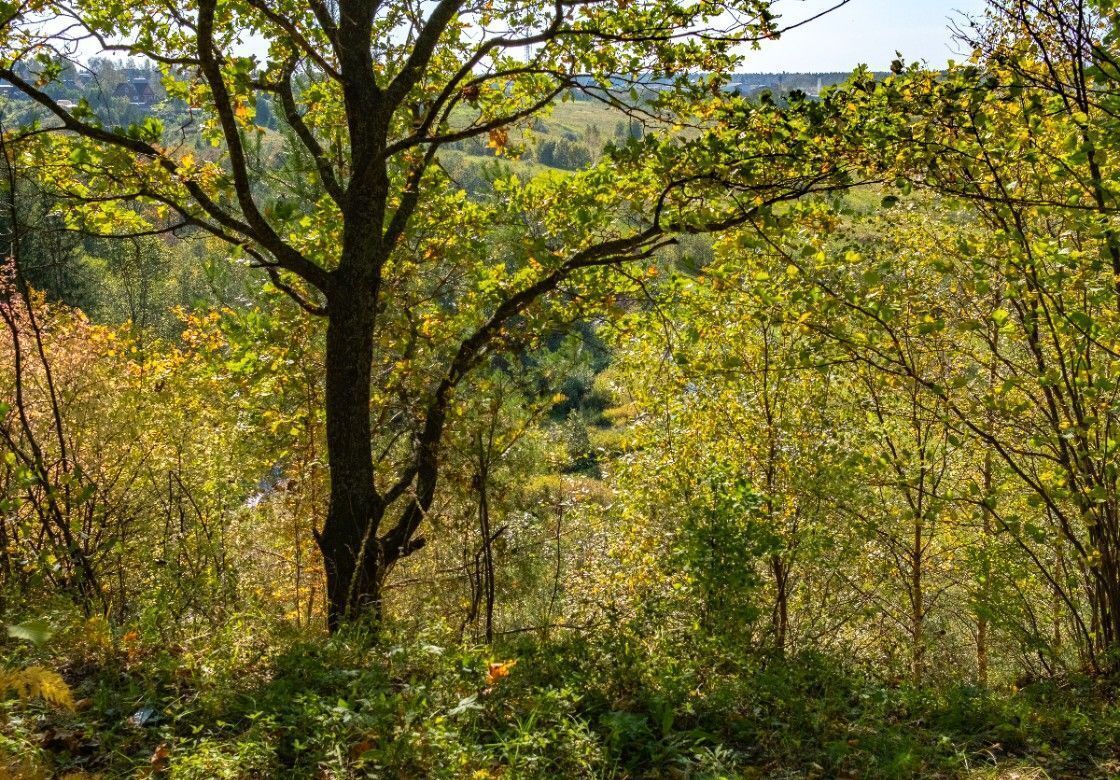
(481, 484)
(917, 615)
(487, 555)
(1107, 582)
(349, 539)
(780, 616)
(986, 573)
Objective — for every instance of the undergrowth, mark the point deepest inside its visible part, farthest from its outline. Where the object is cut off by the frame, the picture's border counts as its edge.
(240, 702)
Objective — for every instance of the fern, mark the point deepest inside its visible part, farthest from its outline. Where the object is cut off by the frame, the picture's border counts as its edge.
(36, 682)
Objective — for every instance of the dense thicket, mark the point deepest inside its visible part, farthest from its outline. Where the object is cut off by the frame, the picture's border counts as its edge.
(496, 391)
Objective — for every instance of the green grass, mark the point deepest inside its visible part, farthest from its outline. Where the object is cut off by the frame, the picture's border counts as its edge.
(247, 703)
(577, 116)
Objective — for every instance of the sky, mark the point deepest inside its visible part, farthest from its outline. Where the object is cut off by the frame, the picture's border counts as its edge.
(862, 32)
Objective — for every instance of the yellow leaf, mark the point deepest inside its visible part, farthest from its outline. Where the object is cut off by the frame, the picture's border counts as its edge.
(499, 670)
(36, 682)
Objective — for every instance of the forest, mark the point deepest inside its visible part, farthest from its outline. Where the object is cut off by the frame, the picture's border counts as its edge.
(524, 389)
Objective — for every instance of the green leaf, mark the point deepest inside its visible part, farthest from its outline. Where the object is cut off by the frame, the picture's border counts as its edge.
(469, 703)
(34, 631)
(1081, 321)
(79, 155)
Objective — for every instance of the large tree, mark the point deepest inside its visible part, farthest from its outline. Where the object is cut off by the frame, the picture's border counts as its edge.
(370, 91)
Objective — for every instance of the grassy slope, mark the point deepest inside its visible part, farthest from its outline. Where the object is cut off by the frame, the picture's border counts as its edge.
(244, 703)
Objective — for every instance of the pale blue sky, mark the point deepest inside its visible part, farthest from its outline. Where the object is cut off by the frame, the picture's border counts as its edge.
(863, 31)
(860, 32)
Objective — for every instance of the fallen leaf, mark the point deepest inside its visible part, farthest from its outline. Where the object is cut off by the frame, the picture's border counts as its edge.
(160, 757)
